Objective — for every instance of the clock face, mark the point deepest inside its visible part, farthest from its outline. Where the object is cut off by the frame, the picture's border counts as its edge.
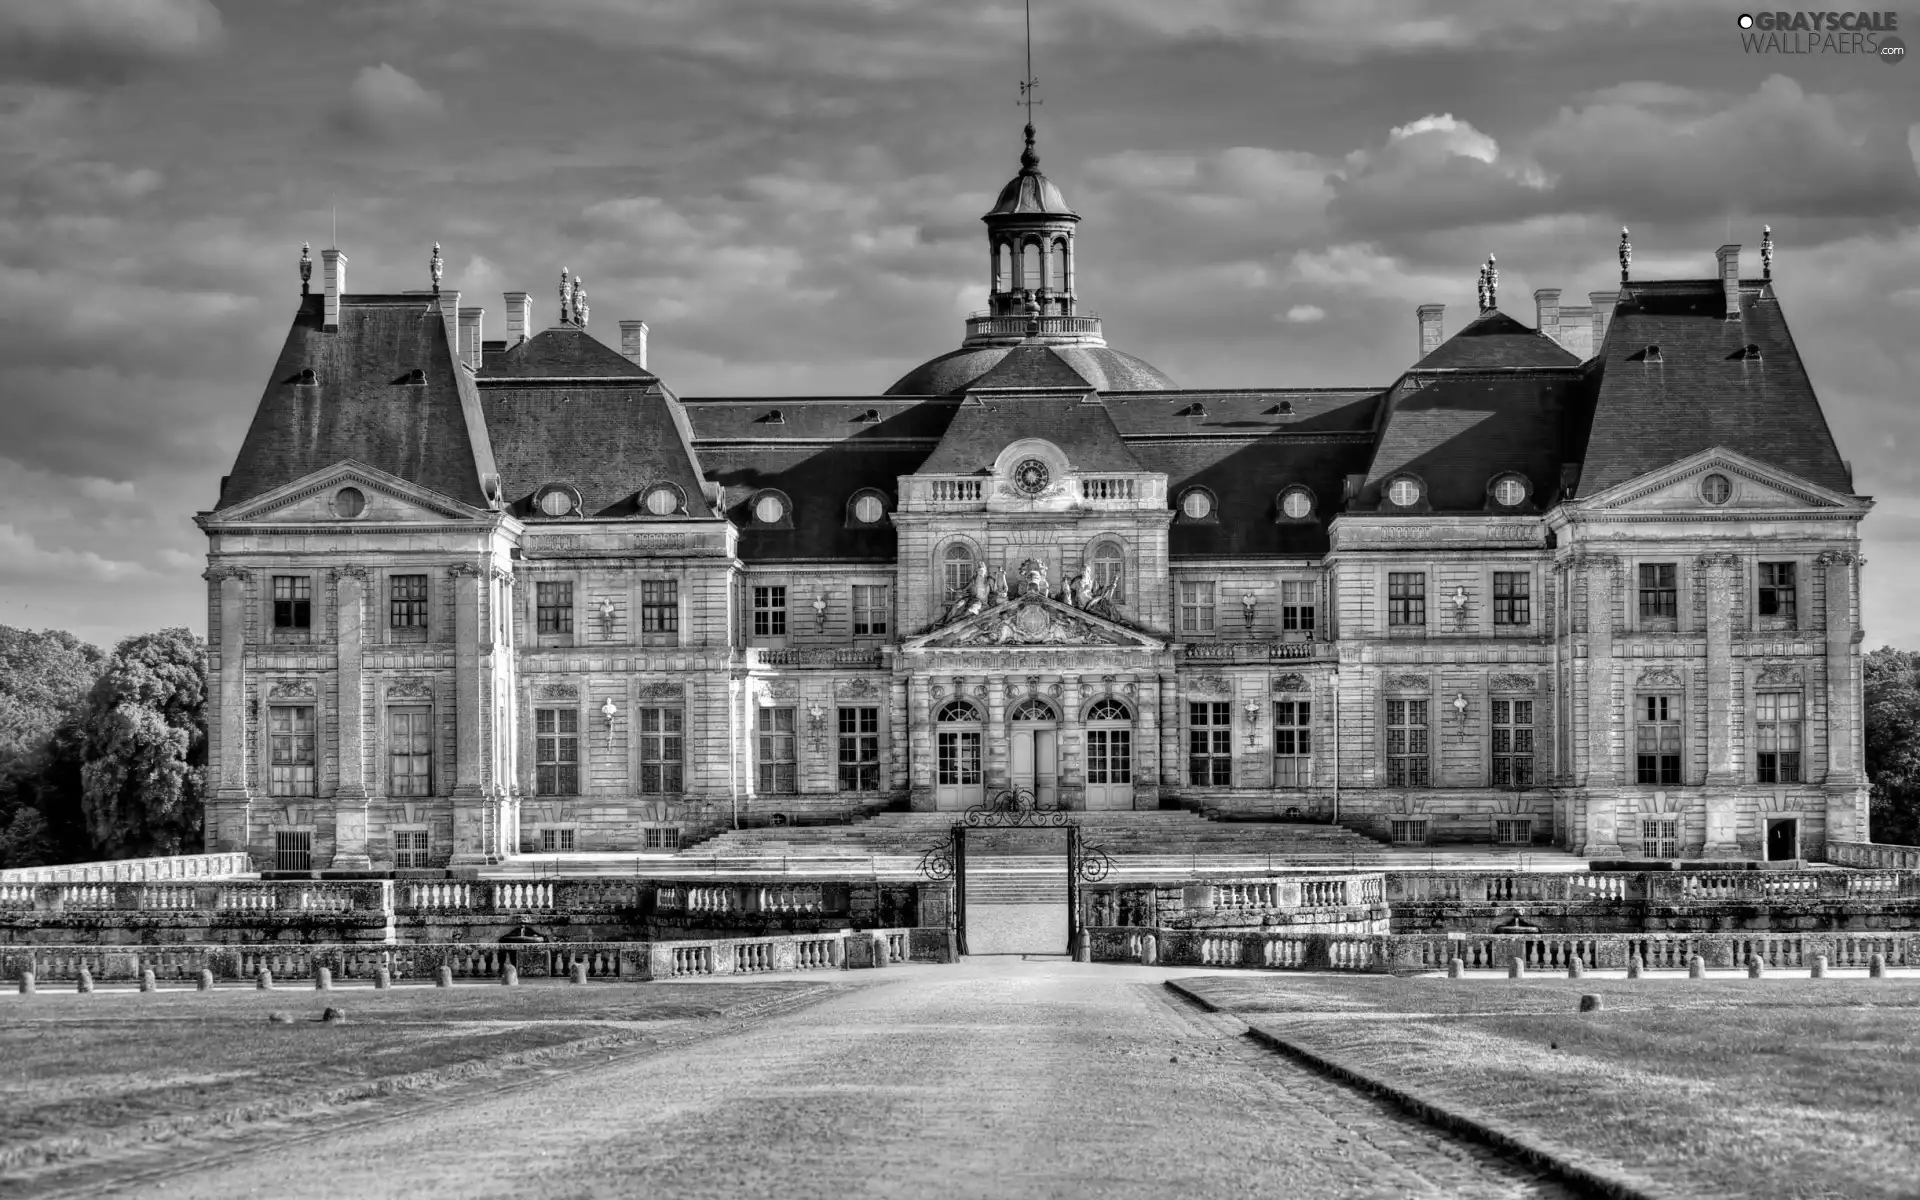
(1032, 476)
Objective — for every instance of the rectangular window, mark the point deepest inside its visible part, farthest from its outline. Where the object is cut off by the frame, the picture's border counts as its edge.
(1656, 740)
(292, 850)
(662, 749)
(553, 607)
(407, 607)
(556, 841)
(1660, 838)
(1209, 743)
(293, 602)
(869, 609)
(779, 768)
(958, 758)
(1406, 597)
(1196, 606)
(659, 612)
(663, 837)
(860, 750)
(1109, 756)
(1297, 605)
(1292, 743)
(1409, 833)
(1512, 598)
(1408, 761)
(410, 850)
(1779, 596)
(290, 731)
(1777, 721)
(770, 612)
(1512, 743)
(1511, 831)
(1659, 595)
(556, 751)
(410, 752)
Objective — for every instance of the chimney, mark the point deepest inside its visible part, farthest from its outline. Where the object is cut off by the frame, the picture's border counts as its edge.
(1546, 311)
(334, 273)
(449, 302)
(1576, 330)
(1729, 257)
(1603, 303)
(633, 342)
(1430, 337)
(470, 336)
(519, 318)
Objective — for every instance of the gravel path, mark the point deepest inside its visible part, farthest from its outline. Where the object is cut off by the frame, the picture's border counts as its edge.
(994, 1078)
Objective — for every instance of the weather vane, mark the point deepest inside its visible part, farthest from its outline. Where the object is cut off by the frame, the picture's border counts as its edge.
(1029, 85)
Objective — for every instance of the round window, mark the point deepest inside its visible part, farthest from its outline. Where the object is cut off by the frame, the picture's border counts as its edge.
(1509, 491)
(556, 502)
(1032, 477)
(662, 502)
(1403, 492)
(349, 502)
(1197, 505)
(1297, 504)
(868, 508)
(1716, 489)
(768, 510)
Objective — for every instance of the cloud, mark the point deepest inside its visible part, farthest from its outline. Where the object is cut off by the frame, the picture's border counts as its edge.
(82, 41)
(1306, 314)
(384, 102)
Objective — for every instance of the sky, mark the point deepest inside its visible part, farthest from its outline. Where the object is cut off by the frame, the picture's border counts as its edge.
(788, 192)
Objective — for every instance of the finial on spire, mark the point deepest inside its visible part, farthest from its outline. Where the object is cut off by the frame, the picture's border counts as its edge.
(566, 299)
(1480, 287)
(580, 301)
(1626, 254)
(306, 266)
(1766, 252)
(1493, 285)
(435, 268)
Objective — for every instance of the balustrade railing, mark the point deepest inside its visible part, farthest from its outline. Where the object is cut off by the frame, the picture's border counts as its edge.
(137, 870)
(845, 656)
(1874, 856)
(1106, 489)
(958, 491)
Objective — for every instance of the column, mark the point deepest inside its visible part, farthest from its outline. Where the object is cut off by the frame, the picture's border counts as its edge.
(1846, 792)
(1602, 835)
(230, 815)
(1146, 740)
(1720, 574)
(998, 764)
(473, 826)
(1073, 776)
(350, 802)
(1169, 730)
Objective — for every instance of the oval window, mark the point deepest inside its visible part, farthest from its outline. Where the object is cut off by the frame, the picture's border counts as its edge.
(768, 510)
(868, 508)
(1716, 489)
(1297, 504)
(1509, 491)
(1403, 492)
(1197, 505)
(556, 502)
(349, 502)
(663, 502)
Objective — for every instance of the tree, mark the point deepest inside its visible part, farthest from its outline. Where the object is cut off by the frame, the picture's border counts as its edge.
(1893, 745)
(144, 747)
(44, 679)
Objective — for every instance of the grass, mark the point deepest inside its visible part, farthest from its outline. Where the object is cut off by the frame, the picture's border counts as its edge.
(1718, 1087)
(81, 1074)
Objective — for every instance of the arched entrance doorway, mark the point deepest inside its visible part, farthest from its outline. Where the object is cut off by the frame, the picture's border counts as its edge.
(1109, 754)
(1036, 749)
(957, 779)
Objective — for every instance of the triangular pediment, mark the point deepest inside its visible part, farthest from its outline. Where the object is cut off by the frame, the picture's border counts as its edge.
(1029, 621)
(385, 499)
(1684, 487)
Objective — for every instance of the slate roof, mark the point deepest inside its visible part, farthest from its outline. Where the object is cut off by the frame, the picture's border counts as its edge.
(1495, 340)
(1105, 368)
(1458, 431)
(988, 421)
(363, 404)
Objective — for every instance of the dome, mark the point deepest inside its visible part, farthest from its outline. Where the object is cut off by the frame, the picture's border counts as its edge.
(1106, 369)
(1030, 192)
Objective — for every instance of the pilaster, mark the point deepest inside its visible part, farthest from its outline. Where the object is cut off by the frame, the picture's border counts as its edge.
(230, 813)
(350, 801)
(476, 829)
(1720, 574)
(1073, 779)
(1169, 731)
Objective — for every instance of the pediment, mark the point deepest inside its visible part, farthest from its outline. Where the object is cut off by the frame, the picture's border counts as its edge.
(1032, 621)
(1682, 488)
(313, 499)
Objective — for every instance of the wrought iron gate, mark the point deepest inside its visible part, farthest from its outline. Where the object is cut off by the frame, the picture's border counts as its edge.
(1015, 808)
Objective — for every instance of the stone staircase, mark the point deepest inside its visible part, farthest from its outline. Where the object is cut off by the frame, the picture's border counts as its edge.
(1017, 903)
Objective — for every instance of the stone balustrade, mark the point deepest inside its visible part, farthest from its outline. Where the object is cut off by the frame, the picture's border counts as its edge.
(721, 899)
(844, 656)
(1649, 887)
(1874, 856)
(1254, 651)
(137, 870)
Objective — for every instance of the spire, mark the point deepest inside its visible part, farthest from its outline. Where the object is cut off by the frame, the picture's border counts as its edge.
(1029, 161)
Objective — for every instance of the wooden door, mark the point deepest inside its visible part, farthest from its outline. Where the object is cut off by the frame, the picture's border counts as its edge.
(958, 782)
(1046, 767)
(1110, 767)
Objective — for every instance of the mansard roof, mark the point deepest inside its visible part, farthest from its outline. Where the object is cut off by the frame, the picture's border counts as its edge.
(367, 403)
(1494, 340)
(1458, 431)
(990, 420)
(562, 352)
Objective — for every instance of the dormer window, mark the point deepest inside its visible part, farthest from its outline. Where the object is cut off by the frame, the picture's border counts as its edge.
(661, 500)
(1509, 491)
(867, 507)
(1750, 351)
(1404, 492)
(771, 509)
(308, 378)
(1296, 504)
(556, 500)
(1197, 504)
(416, 378)
(868, 417)
(1651, 354)
(773, 417)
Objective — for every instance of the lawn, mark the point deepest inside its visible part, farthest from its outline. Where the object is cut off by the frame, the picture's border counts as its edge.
(1717, 1087)
(83, 1074)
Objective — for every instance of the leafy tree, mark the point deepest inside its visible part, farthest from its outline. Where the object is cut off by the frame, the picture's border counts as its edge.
(1893, 745)
(44, 678)
(144, 747)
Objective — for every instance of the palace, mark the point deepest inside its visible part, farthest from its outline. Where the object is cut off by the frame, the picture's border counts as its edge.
(1591, 582)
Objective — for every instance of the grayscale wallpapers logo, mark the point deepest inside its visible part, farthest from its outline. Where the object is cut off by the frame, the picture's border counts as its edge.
(1868, 34)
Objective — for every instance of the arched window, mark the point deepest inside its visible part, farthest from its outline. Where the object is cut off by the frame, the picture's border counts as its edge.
(1109, 564)
(661, 500)
(1109, 709)
(1034, 709)
(1003, 268)
(1030, 267)
(957, 567)
(957, 710)
(867, 507)
(1063, 263)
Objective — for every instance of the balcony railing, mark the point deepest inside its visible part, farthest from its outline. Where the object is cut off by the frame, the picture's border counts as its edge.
(847, 656)
(1226, 651)
(957, 491)
(1106, 489)
(982, 325)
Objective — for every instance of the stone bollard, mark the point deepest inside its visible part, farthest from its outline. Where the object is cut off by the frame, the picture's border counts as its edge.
(1756, 969)
(1149, 951)
(1877, 967)
(86, 981)
(510, 976)
(1590, 1003)
(205, 982)
(1516, 967)
(1819, 967)
(26, 983)
(1696, 967)
(1633, 966)
(323, 979)
(1456, 968)
(578, 974)
(147, 981)
(880, 955)
(1576, 969)
(263, 982)
(443, 977)
(382, 979)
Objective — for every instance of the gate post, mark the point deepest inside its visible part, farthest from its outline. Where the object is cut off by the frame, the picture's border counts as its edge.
(960, 888)
(1073, 892)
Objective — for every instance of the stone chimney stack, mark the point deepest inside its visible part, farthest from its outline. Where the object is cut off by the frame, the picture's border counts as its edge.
(1430, 331)
(449, 301)
(470, 320)
(1603, 303)
(1546, 311)
(633, 342)
(334, 274)
(519, 318)
(1729, 257)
